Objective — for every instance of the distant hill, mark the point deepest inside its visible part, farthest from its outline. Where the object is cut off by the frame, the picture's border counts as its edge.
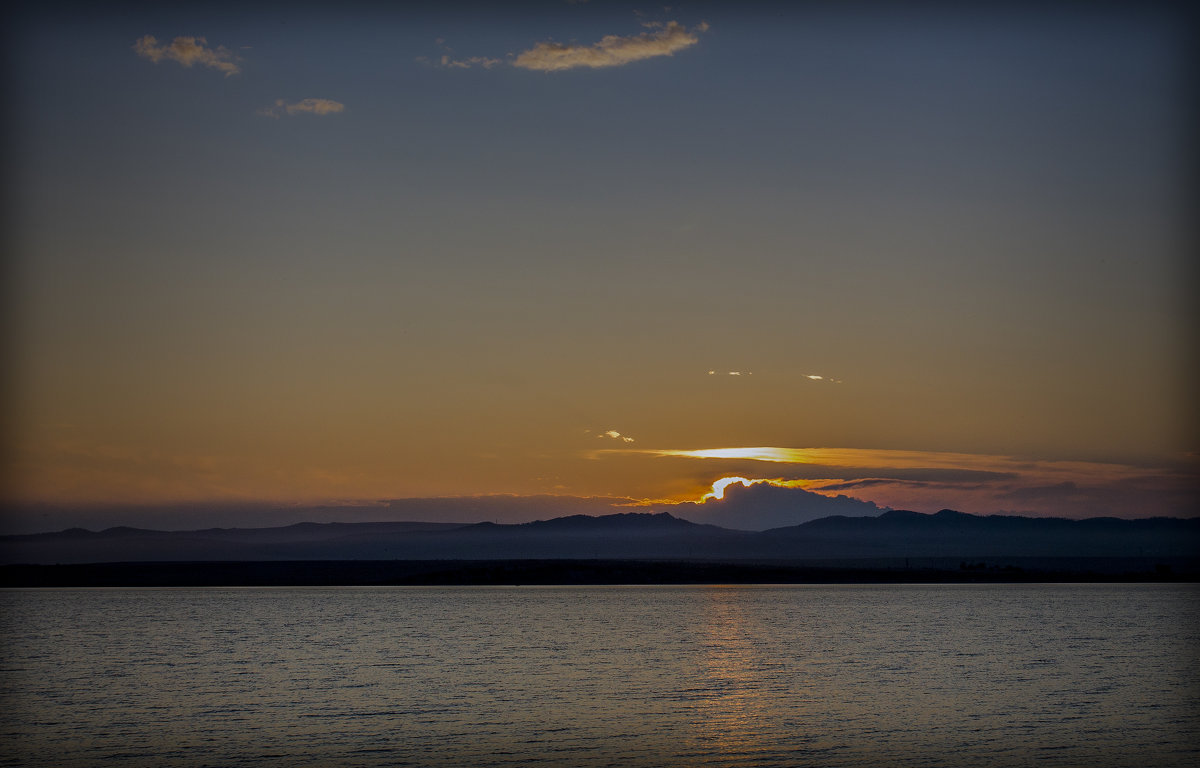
(947, 533)
(893, 535)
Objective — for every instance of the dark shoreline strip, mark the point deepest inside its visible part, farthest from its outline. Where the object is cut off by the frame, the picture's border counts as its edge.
(532, 572)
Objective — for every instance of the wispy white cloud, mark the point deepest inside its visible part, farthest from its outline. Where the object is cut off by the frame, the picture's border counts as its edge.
(731, 373)
(188, 51)
(448, 62)
(615, 435)
(816, 377)
(664, 39)
(304, 106)
(467, 63)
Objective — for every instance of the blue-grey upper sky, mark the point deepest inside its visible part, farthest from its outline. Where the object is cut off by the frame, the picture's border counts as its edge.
(302, 253)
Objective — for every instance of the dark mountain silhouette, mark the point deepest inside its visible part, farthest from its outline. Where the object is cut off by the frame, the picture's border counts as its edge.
(948, 533)
(891, 536)
(462, 510)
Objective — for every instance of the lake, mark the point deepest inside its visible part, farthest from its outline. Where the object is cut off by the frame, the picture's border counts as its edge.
(954, 675)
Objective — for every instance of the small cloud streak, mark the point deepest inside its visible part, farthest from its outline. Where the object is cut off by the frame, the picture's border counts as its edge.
(304, 106)
(446, 62)
(467, 63)
(615, 435)
(612, 50)
(188, 51)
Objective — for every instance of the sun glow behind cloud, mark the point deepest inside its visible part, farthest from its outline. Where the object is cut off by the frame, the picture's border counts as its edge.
(719, 486)
(782, 455)
(977, 483)
(864, 458)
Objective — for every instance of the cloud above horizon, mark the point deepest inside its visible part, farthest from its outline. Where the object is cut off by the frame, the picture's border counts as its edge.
(664, 39)
(304, 106)
(757, 505)
(615, 435)
(467, 63)
(881, 458)
(975, 483)
(188, 51)
(448, 61)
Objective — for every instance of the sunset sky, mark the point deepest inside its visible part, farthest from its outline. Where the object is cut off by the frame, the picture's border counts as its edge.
(923, 257)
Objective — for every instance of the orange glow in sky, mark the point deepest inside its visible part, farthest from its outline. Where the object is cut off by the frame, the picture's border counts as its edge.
(665, 260)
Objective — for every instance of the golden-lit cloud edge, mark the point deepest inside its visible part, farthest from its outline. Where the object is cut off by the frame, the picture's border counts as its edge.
(188, 51)
(663, 39)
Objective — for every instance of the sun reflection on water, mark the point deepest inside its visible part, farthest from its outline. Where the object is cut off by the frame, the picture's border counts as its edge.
(738, 713)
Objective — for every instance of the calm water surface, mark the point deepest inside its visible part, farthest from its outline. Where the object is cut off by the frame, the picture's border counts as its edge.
(996, 675)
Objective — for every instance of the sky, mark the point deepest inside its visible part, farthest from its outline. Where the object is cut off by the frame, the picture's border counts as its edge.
(922, 256)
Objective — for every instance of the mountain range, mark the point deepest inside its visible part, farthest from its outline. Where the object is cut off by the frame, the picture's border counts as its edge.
(891, 535)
